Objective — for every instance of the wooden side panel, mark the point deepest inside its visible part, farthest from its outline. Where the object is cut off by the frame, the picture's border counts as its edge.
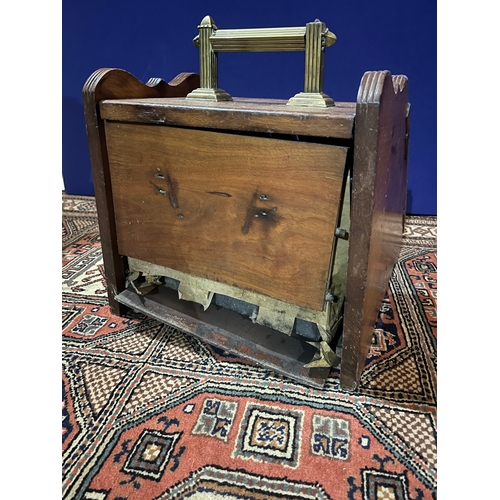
(377, 210)
(251, 212)
(109, 83)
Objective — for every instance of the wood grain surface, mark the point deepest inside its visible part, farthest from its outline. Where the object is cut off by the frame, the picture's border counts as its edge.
(249, 115)
(251, 212)
(112, 83)
(378, 201)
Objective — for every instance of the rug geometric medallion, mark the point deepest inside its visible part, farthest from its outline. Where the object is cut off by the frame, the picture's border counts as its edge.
(152, 413)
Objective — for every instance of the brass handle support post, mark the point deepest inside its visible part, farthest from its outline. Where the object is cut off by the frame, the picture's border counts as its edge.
(208, 65)
(312, 39)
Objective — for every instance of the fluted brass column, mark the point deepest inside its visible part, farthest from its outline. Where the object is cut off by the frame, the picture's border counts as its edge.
(316, 42)
(208, 65)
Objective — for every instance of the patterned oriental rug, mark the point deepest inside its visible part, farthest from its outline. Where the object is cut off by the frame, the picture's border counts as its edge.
(151, 413)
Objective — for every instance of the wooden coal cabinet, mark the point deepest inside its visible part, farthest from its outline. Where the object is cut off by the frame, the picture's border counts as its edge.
(266, 227)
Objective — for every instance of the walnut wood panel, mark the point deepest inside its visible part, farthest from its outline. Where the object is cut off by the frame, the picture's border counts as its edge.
(252, 212)
(377, 209)
(250, 115)
(108, 83)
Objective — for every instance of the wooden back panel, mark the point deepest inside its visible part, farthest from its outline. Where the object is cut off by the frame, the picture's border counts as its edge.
(252, 212)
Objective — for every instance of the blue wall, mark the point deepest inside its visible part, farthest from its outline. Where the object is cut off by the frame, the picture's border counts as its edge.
(154, 39)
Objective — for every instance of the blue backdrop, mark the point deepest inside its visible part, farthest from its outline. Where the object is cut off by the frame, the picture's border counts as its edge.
(154, 39)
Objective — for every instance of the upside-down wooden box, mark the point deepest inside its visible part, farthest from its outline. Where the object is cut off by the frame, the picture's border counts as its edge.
(266, 229)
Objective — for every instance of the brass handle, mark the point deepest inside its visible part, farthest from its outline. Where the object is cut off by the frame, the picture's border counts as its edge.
(313, 39)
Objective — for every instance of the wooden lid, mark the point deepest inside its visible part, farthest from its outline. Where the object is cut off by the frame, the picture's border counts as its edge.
(271, 116)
